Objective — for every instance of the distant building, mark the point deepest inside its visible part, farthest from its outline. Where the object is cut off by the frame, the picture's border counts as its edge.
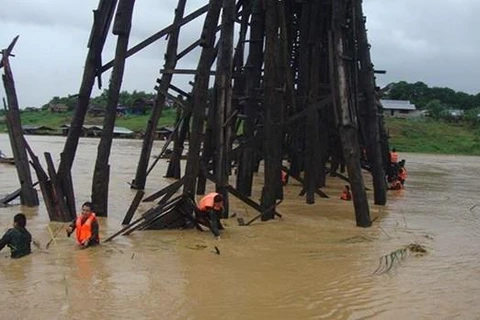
(454, 114)
(96, 111)
(398, 108)
(163, 133)
(41, 130)
(57, 107)
(91, 130)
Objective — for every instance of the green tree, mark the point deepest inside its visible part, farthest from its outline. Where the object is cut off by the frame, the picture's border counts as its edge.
(435, 108)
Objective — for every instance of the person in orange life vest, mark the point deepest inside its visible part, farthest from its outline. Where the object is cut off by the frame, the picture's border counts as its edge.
(284, 177)
(396, 185)
(402, 175)
(210, 209)
(393, 156)
(85, 227)
(346, 194)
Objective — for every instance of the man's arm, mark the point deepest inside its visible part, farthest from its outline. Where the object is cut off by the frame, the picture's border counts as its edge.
(95, 229)
(6, 239)
(71, 228)
(212, 216)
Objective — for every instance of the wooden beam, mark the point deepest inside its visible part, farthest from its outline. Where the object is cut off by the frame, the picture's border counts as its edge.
(133, 206)
(159, 35)
(182, 71)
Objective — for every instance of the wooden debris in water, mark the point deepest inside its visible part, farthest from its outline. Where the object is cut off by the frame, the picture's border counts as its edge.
(387, 262)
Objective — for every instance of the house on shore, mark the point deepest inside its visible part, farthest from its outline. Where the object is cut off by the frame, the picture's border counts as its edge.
(399, 108)
(96, 131)
(37, 130)
(163, 133)
(57, 107)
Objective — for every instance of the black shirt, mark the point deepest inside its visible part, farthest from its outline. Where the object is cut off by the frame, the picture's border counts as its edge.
(18, 240)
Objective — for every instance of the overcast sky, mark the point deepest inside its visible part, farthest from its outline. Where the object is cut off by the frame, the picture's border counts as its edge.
(434, 41)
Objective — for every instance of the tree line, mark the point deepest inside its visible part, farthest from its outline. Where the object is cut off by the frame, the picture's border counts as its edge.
(438, 101)
(125, 99)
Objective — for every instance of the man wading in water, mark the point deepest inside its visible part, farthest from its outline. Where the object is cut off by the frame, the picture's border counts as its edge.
(86, 227)
(17, 238)
(210, 209)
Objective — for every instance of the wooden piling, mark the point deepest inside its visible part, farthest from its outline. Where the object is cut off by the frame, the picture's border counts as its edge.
(28, 194)
(150, 132)
(101, 174)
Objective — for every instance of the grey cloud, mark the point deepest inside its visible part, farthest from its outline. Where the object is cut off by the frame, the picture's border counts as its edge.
(414, 40)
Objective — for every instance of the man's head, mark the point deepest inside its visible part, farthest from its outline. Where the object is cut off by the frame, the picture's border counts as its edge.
(87, 209)
(218, 198)
(19, 220)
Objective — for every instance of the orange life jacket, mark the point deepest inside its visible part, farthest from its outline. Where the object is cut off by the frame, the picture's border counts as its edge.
(207, 203)
(396, 185)
(84, 231)
(346, 195)
(284, 177)
(393, 157)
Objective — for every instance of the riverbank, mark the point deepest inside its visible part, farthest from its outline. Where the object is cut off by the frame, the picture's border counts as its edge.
(419, 135)
(423, 135)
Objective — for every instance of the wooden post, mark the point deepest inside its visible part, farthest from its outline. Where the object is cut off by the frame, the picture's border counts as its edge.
(346, 112)
(369, 104)
(101, 175)
(102, 18)
(101, 23)
(273, 111)
(223, 99)
(253, 73)
(150, 132)
(28, 194)
(200, 92)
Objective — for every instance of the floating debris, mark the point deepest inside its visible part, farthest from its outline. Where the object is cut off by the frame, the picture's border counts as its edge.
(387, 262)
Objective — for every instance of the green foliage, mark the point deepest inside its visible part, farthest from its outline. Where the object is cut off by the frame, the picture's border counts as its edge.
(55, 120)
(421, 95)
(125, 98)
(435, 108)
(433, 136)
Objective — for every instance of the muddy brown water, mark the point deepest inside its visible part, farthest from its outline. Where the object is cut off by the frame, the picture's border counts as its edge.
(311, 264)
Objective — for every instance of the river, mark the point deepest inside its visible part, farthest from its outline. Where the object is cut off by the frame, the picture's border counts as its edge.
(314, 263)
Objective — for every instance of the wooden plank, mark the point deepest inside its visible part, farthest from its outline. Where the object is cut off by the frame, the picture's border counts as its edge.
(8, 51)
(174, 186)
(11, 196)
(183, 71)
(133, 206)
(147, 214)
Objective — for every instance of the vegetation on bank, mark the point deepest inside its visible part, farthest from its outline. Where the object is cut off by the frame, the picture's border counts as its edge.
(438, 133)
(55, 120)
(426, 135)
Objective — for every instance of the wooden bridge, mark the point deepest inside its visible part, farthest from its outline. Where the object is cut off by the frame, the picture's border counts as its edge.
(296, 92)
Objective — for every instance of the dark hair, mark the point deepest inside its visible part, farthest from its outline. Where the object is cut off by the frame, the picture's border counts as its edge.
(394, 150)
(347, 186)
(218, 198)
(20, 220)
(88, 204)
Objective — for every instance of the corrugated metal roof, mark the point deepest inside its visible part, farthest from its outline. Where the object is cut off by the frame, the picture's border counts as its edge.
(118, 130)
(397, 105)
